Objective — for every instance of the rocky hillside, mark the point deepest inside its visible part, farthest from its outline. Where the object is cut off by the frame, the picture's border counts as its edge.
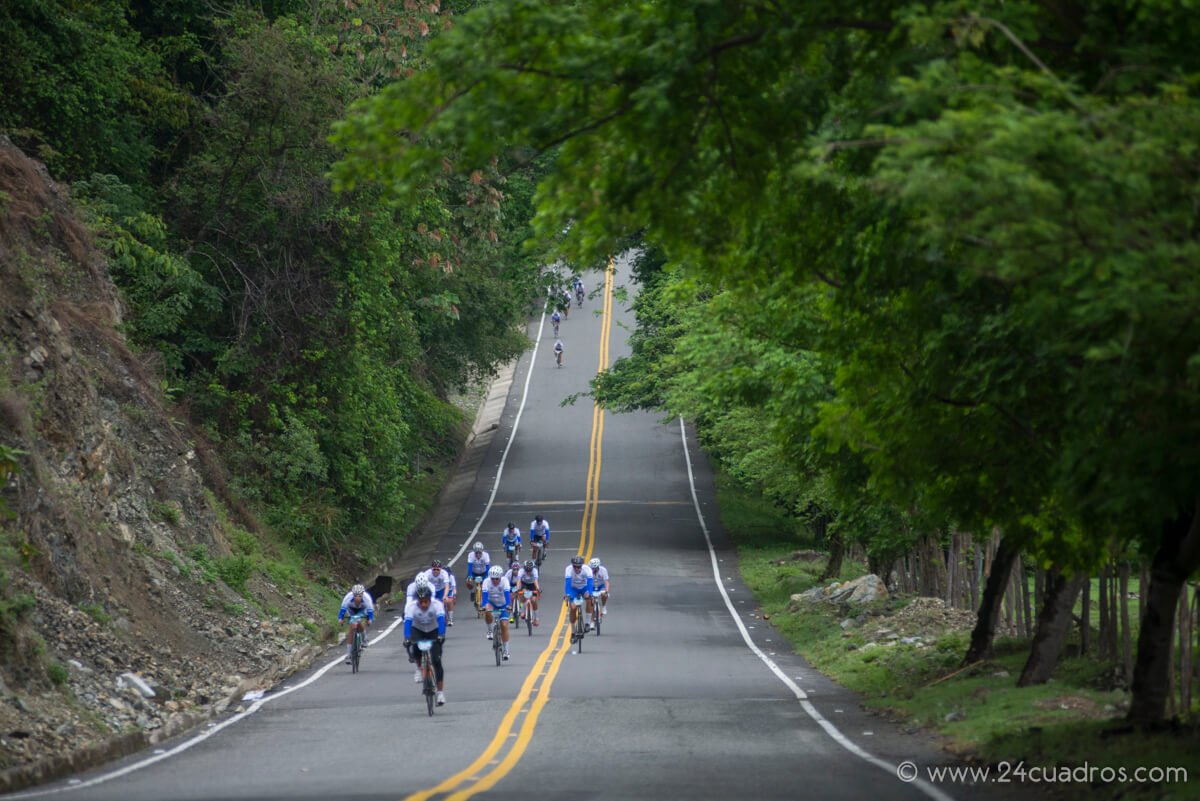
(135, 597)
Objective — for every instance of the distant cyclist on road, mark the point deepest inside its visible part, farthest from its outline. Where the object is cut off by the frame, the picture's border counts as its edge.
(577, 583)
(510, 541)
(478, 562)
(497, 597)
(539, 536)
(600, 583)
(425, 619)
(555, 319)
(579, 291)
(558, 353)
(356, 602)
(527, 579)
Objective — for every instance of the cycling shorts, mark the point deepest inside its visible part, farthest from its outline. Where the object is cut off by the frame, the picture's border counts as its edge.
(573, 593)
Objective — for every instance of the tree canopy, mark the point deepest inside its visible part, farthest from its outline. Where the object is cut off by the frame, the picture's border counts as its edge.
(932, 261)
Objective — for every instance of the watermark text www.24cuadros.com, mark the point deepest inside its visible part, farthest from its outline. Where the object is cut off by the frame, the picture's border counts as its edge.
(1020, 773)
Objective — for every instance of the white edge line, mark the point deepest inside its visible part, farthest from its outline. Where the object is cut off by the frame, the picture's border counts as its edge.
(202, 736)
(512, 436)
(801, 696)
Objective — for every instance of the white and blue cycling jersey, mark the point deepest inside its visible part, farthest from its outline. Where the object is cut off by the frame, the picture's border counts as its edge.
(600, 578)
(439, 581)
(577, 583)
(424, 621)
(477, 566)
(510, 538)
(539, 531)
(349, 607)
(497, 593)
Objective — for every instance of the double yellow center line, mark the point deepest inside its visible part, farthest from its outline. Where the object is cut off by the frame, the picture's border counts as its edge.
(516, 732)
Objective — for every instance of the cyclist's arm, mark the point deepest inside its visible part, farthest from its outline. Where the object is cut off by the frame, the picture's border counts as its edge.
(408, 627)
(590, 586)
(441, 619)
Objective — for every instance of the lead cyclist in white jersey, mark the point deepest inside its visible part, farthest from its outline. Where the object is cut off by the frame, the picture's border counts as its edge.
(539, 536)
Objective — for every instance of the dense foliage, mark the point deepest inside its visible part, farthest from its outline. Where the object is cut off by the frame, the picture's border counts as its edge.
(919, 266)
(316, 336)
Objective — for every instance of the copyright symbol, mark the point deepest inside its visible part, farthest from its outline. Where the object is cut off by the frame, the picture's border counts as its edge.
(906, 771)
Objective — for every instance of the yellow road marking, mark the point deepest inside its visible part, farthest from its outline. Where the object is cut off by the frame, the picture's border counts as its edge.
(548, 662)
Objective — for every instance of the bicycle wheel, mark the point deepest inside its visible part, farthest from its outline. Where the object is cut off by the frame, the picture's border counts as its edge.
(356, 652)
(596, 615)
(529, 617)
(497, 646)
(430, 687)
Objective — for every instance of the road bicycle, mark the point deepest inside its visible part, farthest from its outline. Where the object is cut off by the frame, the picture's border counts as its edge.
(539, 547)
(577, 630)
(579, 297)
(597, 610)
(356, 646)
(558, 357)
(555, 322)
(497, 645)
(428, 681)
(477, 598)
(525, 601)
(511, 552)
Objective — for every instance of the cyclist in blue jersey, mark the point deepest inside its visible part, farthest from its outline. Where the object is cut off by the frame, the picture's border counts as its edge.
(600, 583)
(425, 619)
(497, 597)
(577, 583)
(510, 541)
(357, 602)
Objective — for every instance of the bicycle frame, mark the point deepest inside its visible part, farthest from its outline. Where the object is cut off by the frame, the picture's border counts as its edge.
(526, 601)
(428, 680)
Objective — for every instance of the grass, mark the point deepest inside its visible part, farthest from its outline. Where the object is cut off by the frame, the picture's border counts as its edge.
(979, 711)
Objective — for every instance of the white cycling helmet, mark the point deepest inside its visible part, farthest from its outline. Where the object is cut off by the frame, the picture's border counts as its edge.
(496, 571)
(358, 589)
(422, 581)
(595, 563)
(479, 546)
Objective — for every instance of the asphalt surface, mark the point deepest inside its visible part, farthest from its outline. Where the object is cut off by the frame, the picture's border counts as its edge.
(668, 702)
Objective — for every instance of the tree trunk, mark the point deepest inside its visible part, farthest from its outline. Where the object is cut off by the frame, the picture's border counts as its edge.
(1178, 557)
(837, 550)
(983, 635)
(1053, 624)
(1126, 639)
(1085, 619)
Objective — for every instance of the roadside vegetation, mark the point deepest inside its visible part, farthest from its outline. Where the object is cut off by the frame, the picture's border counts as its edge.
(1073, 721)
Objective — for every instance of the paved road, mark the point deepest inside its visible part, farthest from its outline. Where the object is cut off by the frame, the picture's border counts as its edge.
(670, 702)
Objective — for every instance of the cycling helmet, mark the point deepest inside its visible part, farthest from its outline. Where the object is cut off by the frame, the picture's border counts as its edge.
(422, 581)
(595, 563)
(358, 589)
(515, 565)
(511, 524)
(424, 592)
(577, 560)
(529, 564)
(495, 571)
(478, 546)
(436, 563)
(538, 518)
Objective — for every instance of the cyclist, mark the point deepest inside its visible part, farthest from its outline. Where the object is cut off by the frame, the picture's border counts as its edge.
(527, 579)
(558, 352)
(600, 583)
(440, 580)
(514, 571)
(539, 536)
(555, 318)
(510, 540)
(425, 619)
(578, 582)
(356, 602)
(566, 304)
(579, 291)
(497, 595)
(478, 562)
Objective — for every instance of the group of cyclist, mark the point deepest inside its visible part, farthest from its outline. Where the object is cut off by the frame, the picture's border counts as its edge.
(561, 310)
(430, 598)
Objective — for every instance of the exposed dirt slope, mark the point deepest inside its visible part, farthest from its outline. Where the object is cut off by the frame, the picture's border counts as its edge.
(119, 514)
